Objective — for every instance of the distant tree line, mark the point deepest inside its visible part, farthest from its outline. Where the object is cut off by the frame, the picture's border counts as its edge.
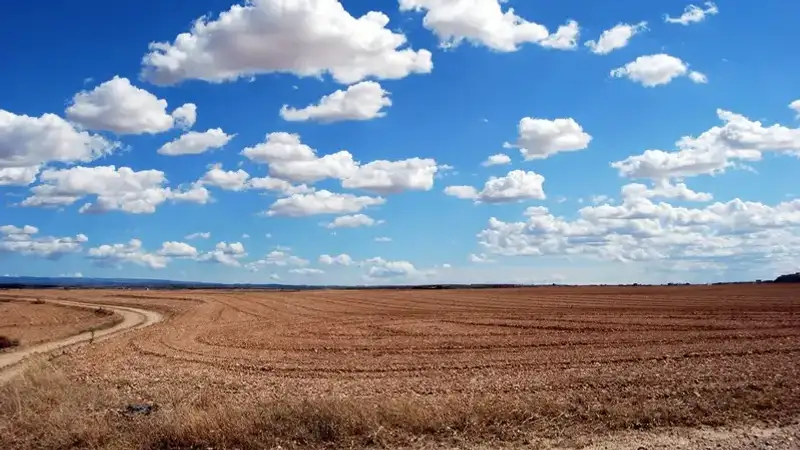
(789, 278)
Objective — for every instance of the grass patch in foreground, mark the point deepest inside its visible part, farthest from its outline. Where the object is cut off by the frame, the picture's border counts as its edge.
(46, 409)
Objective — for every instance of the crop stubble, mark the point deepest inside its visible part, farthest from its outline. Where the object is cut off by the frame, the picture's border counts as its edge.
(481, 362)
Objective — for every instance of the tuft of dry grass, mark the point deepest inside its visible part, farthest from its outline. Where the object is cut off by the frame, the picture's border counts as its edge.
(7, 342)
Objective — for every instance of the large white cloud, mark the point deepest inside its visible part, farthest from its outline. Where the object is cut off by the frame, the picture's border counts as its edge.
(738, 139)
(116, 189)
(322, 202)
(485, 23)
(361, 101)
(27, 143)
(515, 186)
(693, 14)
(290, 159)
(24, 240)
(391, 177)
(194, 142)
(122, 108)
(615, 38)
(657, 70)
(542, 138)
(306, 38)
(132, 252)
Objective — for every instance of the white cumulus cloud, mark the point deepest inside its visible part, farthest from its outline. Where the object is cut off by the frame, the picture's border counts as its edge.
(483, 22)
(353, 221)
(227, 254)
(496, 160)
(305, 38)
(361, 101)
(27, 143)
(115, 189)
(738, 139)
(122, 108)
(195, 143)
(542, 138)
(322, 202)
(290, 159)
(132, 252)
(174, 249)
(342, 260)
(615, 38)
(517, 185)
(657, 70)
(25, 240)
(693, 14)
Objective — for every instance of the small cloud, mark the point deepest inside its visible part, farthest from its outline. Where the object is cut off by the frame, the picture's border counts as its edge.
(383, 239)
(245, 236)
(480, 259)
(202, 235)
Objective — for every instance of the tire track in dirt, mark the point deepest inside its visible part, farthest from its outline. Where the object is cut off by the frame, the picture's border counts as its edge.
(13, 363)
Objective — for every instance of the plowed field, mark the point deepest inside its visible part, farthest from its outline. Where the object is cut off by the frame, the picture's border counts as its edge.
(33, 323)
(504, 365)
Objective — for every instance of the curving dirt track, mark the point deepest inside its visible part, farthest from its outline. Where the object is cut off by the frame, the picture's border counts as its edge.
(33, 322)
(11, 363)
(554, 362)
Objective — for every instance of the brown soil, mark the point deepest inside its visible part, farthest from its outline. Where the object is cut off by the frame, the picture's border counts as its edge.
(464, 368)
(34, 322)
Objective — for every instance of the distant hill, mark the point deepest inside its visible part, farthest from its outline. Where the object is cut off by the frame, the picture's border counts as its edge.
(60, 282)
(142, 283)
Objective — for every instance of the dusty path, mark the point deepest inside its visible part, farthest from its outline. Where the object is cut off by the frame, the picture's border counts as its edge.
(132, 318)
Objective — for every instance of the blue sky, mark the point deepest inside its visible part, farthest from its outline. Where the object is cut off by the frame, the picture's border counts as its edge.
(663, 150)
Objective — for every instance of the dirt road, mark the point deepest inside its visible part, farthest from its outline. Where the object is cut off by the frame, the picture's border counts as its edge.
(12, 364)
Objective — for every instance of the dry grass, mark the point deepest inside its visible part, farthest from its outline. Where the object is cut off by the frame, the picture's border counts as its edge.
(46, 409)
(359, 369)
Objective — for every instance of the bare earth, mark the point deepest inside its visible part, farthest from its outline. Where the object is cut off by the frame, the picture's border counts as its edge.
(551, 367)
(33, 323)
(120, 319)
